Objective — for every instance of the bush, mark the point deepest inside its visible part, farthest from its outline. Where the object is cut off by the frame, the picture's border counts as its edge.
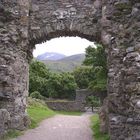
(83, 75)
(93, 101)
(36, 95)
(38, 78)
(50, 85)
(61, 86)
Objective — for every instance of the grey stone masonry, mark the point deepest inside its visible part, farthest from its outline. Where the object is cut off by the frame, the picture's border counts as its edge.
(49, 19)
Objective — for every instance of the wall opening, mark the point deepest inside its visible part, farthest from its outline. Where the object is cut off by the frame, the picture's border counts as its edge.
(65, 45)
(64, 59)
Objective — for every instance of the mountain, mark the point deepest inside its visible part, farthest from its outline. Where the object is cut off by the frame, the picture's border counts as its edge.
(67, 64)
(50, 56)
(78, 58)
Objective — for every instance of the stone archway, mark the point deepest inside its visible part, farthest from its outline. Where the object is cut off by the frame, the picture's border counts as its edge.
(115, 23)
(54, 19)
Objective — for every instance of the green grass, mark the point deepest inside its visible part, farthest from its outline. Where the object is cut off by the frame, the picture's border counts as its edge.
(96, 129)
(12, 134)
(38, 111)
(38, 114)
(60, 101)
(69, 113)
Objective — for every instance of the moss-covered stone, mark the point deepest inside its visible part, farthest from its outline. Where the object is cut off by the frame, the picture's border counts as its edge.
(123, 6)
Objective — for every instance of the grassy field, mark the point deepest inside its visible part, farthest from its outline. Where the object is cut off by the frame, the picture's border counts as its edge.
(97, 135)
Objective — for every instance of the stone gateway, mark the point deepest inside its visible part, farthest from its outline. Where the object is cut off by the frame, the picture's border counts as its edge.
(114, 23)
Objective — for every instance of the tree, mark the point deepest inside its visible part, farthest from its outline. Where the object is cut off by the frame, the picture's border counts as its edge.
(39, 69)
(48, 84)
(96, 57)
(68, 85)
(83, 75)
(38, 78)
(62, 86)
(92, 102)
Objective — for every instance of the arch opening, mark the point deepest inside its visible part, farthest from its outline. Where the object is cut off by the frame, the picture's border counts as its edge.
(63, 44)
(43, 37)
(69, 60)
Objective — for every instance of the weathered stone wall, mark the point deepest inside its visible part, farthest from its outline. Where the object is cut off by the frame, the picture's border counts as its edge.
(14, 46)
(51, 18)
(77, 105)
(66, 105)
(115, 23)
(121, 22)
(82, 94)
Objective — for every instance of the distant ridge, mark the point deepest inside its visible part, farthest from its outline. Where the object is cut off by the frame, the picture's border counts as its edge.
(66, 64)
(50, 56)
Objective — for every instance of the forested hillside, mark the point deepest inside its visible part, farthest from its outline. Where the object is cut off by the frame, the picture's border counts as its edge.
(67, 64)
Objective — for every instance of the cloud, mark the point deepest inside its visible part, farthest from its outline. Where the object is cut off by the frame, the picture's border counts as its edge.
(64, 45)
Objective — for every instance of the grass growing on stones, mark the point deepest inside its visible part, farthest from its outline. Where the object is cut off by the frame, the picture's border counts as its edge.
(12, 134)
(96, 129)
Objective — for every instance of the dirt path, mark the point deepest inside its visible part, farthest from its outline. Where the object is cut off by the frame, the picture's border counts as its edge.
(61, 127)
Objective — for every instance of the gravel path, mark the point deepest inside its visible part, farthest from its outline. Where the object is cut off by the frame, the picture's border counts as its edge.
(61, 127)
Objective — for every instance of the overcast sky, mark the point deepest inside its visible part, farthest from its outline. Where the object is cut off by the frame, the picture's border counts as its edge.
(64, 45)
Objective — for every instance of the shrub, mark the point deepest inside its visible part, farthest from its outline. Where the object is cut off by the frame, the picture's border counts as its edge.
(93, 101)
(36, 95)
(38, 78)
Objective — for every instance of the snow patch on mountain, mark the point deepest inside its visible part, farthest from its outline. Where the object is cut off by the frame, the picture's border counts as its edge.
(50, 56)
